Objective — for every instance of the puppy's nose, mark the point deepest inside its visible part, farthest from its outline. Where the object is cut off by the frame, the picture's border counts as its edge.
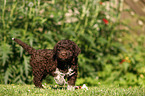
(63, 53)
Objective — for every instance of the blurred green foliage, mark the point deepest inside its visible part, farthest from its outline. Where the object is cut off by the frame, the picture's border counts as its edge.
(92, 24)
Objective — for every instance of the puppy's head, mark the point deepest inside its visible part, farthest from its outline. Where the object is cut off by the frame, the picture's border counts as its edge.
(65, 50)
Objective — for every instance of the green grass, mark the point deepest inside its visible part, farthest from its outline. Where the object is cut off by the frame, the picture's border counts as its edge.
(30, 90)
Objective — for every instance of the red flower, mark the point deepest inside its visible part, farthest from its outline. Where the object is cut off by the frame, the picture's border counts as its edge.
(105, 21)
(122, 61)
(101, 3)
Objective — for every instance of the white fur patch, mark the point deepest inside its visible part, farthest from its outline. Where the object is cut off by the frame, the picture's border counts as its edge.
(70, 87)
(69, 73)
(59, 79)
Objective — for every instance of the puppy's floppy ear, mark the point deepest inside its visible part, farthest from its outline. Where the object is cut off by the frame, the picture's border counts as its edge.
(77, 50)
(54, 51)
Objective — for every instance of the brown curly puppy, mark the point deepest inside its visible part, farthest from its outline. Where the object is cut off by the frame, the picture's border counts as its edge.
(59, 62)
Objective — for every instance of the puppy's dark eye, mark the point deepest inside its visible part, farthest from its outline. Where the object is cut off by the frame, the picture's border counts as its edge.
(58, 50)
(70, 53)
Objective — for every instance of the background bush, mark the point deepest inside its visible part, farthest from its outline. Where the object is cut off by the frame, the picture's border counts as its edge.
(92, 24)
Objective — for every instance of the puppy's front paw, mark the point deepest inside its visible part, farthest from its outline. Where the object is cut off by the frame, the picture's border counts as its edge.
(70, 87)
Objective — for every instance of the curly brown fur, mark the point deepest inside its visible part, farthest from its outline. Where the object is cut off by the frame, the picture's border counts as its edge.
(46, 61)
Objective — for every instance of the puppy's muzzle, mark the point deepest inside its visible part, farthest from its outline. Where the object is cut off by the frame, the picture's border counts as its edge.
(63, 53)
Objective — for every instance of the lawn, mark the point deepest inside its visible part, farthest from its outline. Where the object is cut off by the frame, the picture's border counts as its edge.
(30, 90)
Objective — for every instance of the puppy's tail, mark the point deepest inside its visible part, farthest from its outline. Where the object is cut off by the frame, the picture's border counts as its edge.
(26, 47)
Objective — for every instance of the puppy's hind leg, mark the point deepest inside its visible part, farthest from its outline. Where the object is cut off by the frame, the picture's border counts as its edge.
(38, 77)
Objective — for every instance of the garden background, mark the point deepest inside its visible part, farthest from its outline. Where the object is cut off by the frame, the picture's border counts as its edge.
(110, 34)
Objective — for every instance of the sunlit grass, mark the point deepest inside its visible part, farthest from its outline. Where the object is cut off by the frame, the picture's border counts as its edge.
(30, 90)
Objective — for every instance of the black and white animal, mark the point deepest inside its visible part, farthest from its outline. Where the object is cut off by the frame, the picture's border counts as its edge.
(60, 62)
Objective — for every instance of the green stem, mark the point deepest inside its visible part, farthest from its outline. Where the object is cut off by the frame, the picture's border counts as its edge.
(64, 11)
(13, 8)
(26, 27)
(3, 14)
(3, 20)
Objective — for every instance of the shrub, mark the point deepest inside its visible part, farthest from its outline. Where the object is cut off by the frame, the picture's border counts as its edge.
(92, 24)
